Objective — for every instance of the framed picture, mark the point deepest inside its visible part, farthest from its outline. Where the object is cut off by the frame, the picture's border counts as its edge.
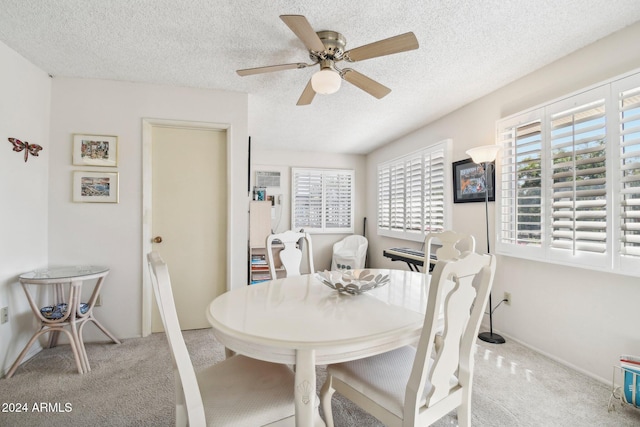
(469, 182)
(95, 187)
(95, 150)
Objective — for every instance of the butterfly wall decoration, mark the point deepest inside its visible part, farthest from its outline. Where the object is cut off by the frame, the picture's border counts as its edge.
(18, 146)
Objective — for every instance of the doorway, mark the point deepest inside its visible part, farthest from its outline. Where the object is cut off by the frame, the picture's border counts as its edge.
(187, 215)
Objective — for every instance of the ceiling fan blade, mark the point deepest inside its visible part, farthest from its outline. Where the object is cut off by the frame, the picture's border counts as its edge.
(307, 95)
(368, 85)
(396, 44)
(301, 27)
(270, 68)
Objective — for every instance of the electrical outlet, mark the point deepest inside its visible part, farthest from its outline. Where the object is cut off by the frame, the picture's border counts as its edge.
(4, 314)
(507, 298)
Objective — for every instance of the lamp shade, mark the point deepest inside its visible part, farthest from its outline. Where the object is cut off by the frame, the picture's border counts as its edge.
(484, 153)
(326, 81)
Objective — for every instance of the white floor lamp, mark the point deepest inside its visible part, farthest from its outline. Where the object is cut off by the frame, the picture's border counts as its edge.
(485, 156)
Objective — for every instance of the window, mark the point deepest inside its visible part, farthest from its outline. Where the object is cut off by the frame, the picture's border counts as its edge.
(569, 180)
(322, 200)
(413, 192)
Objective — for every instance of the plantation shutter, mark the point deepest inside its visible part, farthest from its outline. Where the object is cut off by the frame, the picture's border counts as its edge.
(520, 216)
(629, 110)
(569, 187)
(578, 179)
(384, 197)
(397, 197)
(322, 200)
(338, 209)
(412, 193)
(307, 190)
(434, 191)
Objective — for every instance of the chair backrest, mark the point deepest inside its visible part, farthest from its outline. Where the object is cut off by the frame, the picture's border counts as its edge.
(452, 245)
(291, 255)
(350, 253)
(355, 242)
(189, 406)
(463, 305)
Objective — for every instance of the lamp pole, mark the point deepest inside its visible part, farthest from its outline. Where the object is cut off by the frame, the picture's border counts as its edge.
(489, 337)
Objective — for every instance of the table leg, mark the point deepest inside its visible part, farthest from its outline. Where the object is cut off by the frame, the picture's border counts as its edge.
(307, 413)
(58, 297)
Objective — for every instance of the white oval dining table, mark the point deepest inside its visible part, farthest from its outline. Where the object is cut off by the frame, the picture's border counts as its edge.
(301, 321)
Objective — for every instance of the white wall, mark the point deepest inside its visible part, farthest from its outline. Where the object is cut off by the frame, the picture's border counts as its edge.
(581, 317)
(111, 234)
(283, 161)
(24, 114)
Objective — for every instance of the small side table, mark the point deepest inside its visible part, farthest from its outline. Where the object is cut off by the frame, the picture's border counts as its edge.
(66, 310)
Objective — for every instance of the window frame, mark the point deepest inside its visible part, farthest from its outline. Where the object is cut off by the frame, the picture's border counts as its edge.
(323, 173)
(612, 259)
(386, 226)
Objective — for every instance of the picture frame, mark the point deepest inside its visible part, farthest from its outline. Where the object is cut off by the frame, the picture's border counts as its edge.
(469, 182)
(95, 150)
(95, 187)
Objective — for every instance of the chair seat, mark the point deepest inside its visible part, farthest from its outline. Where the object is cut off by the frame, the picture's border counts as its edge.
(245, 391)
(383, 378)
(58, 311)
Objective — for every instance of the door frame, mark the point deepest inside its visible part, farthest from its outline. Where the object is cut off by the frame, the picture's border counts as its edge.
(147, 180)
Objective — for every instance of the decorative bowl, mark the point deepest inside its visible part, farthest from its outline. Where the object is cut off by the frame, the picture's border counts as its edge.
(353, 282)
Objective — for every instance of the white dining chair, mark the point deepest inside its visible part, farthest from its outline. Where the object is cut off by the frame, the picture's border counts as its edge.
(409, 387)
(238, 391)
(448, 244)
(295, 246)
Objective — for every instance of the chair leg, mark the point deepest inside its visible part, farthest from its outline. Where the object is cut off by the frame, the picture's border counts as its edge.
(326, 393)
(464, 410)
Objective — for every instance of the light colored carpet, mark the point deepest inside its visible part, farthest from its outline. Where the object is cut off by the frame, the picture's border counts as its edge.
(132, 385)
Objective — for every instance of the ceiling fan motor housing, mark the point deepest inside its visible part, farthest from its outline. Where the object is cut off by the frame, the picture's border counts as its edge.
(334, 44)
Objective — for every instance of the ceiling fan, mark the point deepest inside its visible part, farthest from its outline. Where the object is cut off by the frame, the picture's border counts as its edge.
(326, 48)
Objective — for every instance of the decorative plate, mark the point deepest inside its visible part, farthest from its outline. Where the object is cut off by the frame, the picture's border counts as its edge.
(353, 282)
(59, 311)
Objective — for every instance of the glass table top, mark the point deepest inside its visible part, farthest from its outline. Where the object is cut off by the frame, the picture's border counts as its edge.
(64, 272)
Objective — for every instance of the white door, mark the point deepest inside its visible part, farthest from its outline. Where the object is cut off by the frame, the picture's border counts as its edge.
(189, 215)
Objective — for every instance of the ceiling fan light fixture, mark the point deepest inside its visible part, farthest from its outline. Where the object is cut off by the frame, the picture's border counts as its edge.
(326, 81)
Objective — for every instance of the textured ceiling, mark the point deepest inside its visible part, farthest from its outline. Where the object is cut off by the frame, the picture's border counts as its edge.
(467, 49)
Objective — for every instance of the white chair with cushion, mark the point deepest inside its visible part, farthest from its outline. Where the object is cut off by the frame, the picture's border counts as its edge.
(407, 387)
(349, 253)
(291, 255)
(238, 391)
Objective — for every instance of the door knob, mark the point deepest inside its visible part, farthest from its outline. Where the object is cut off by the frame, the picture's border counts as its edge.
(157, 239)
